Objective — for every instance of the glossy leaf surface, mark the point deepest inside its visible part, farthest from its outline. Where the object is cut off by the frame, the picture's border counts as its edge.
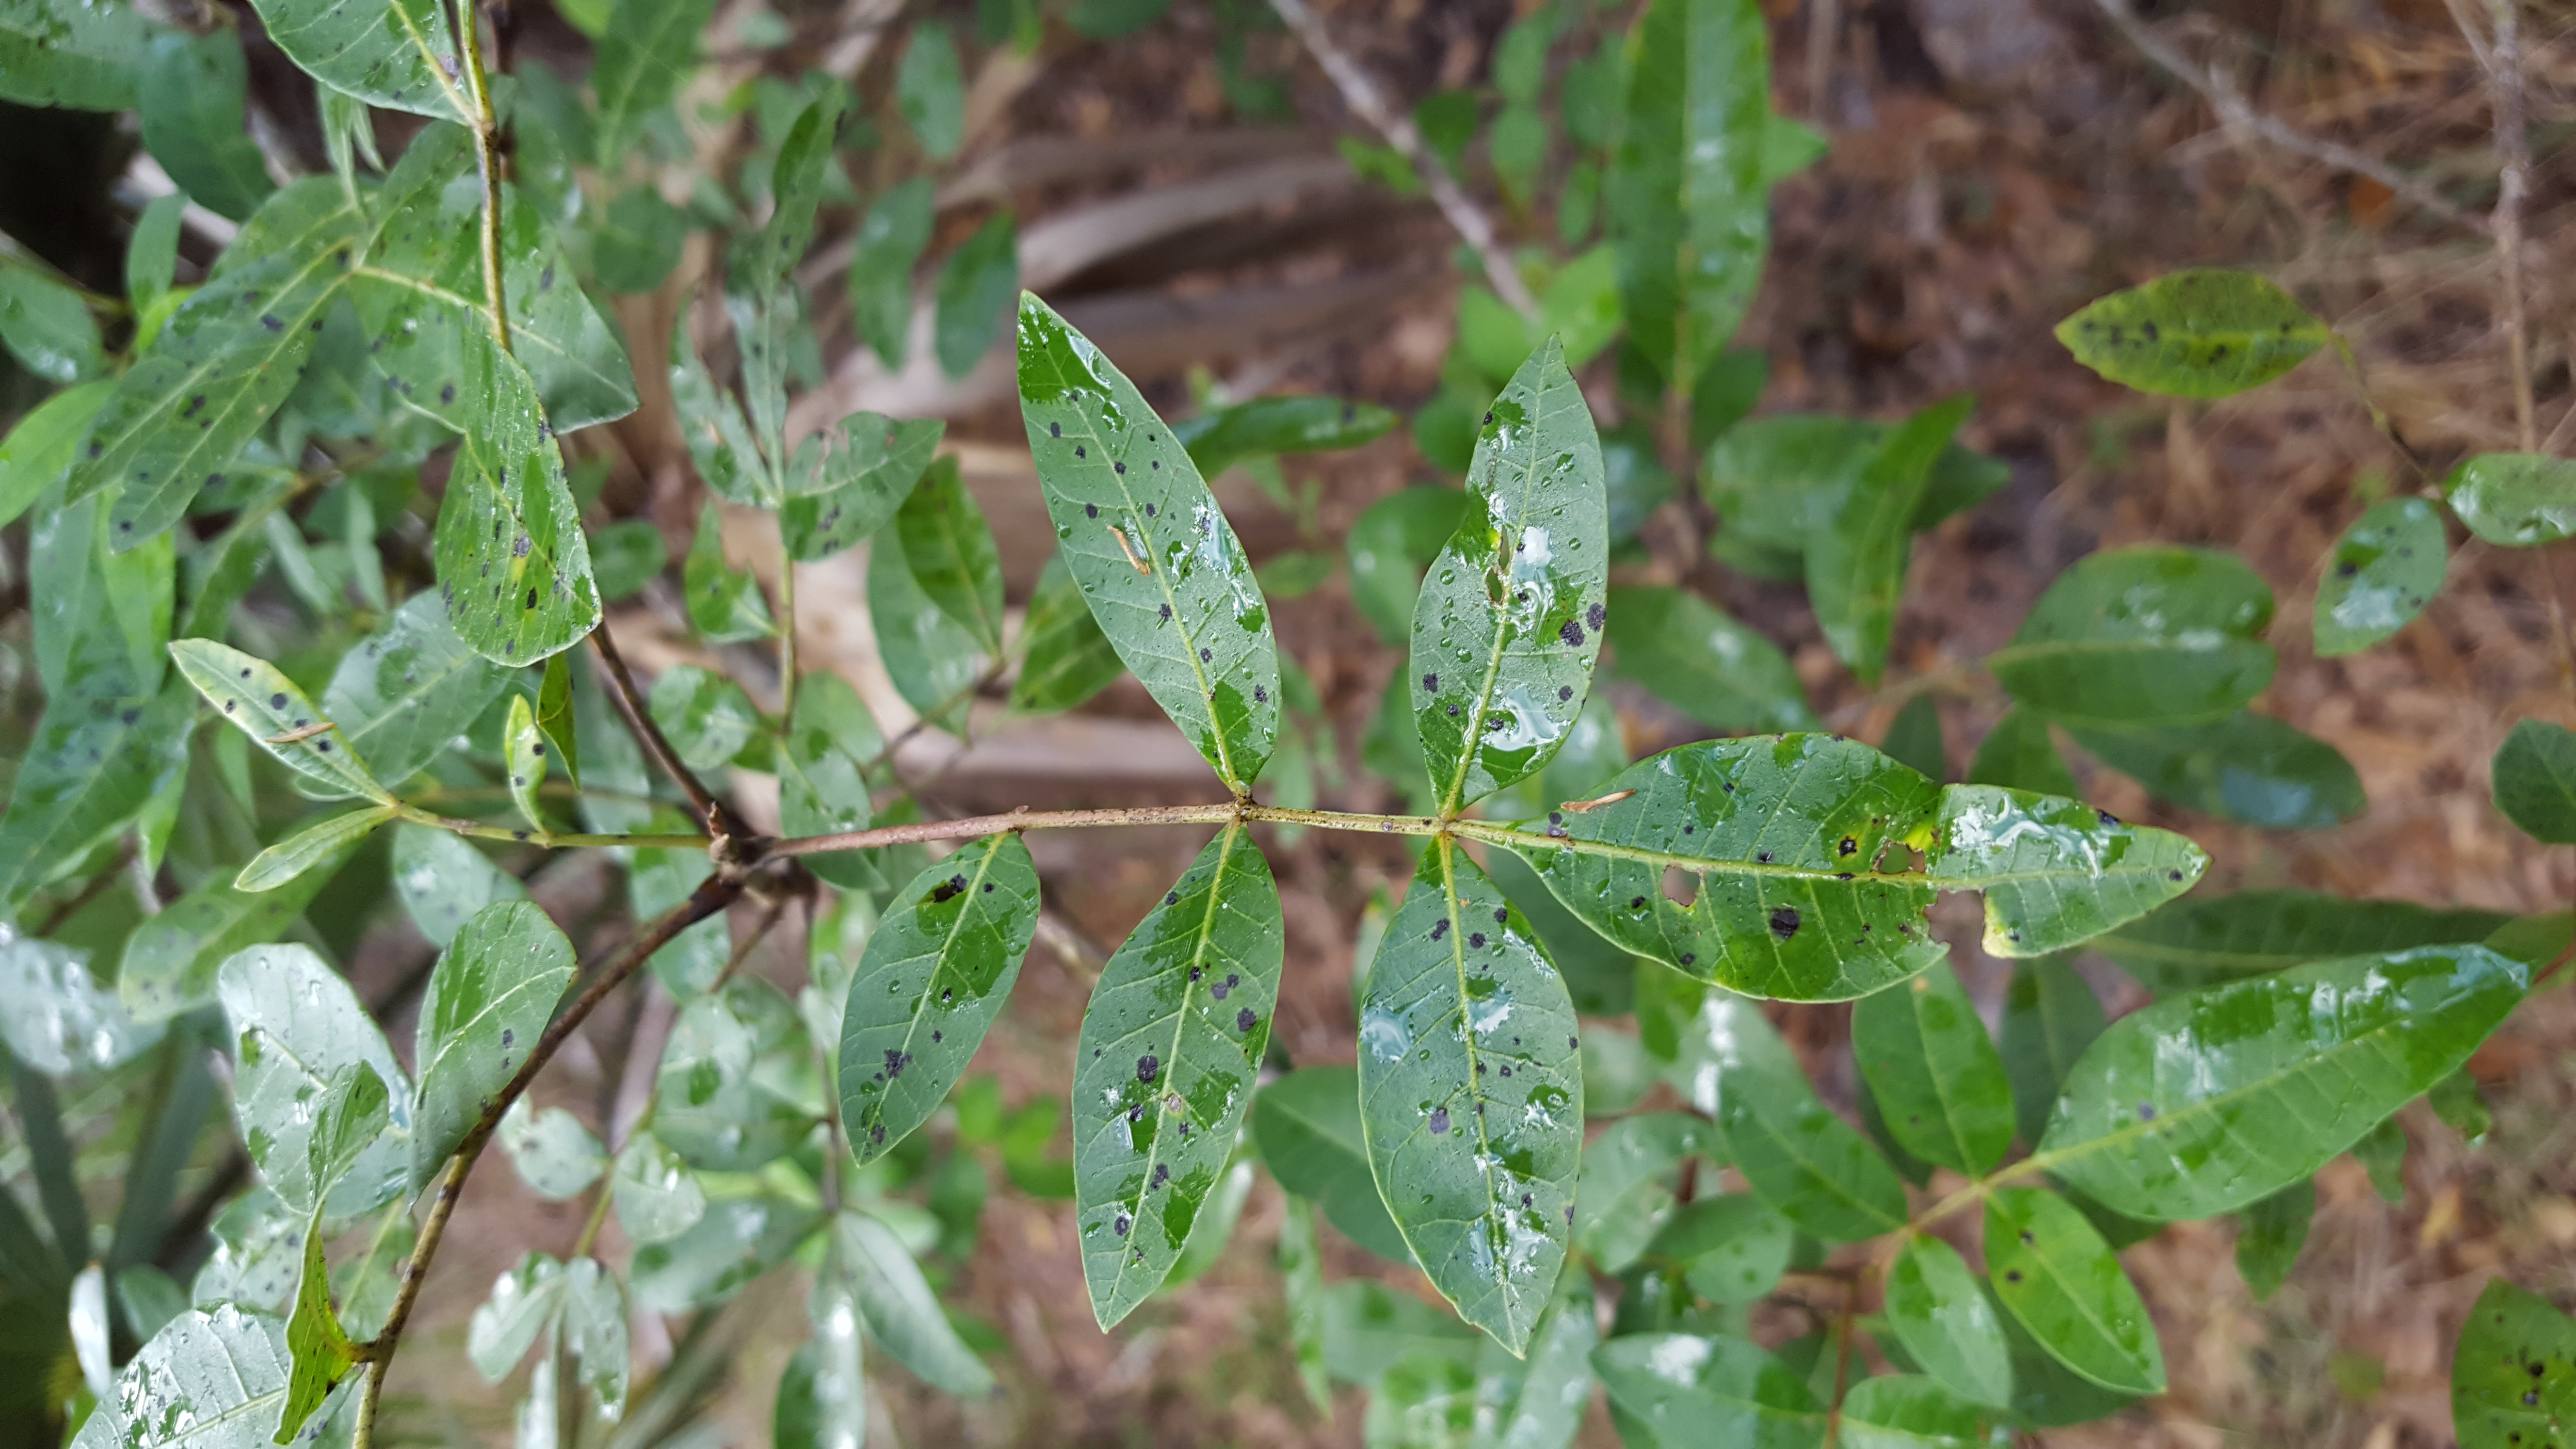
(734, 1090)
(1307, 1125)
(2383, 571)
(328, 840)
(866, 473)
(2245, 767)
(296, 1028)
(1731, 1248)
(1069, 659)
(2053, 1272)
(2197, 333)
(823, 758)
(2513, 1381)
(2211, 940)
(1165, 575)
(1704, 662)
(2054, 872)
(512, 561)
(902, 1311)
(404, 695)
(2535, 781)
(2210, 1101)
(932, 979)
(2515, 500)
(2050, 1016)
(557, 1157)
(208, 1380)
(94, 763)
(1508, 621)
(488, 1000)
(1941, 1314)
(1268, 425)
(1811, 1165)
(1683, 1388)
(401, 57)
(258, 698)
(171, 959)
(2138, 636)
(319, 1349)
(950, 548)
(1910, 1411)
(1936, 1075)
(1171, 1044)
(1856, 563)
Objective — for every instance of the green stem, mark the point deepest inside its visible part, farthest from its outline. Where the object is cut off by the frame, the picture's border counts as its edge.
(550, 839)
(786, 636)
(487, 157)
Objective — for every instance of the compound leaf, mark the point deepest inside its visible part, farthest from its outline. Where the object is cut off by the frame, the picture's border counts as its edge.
(403, 696)
(1937, 1077)
(2055, 872)
(867, 471)
(401, 56)
(1856, 563)
(950, 548)
(210, 1379)
(2210, 940)
(2054, 1273)
(1307, 1125)
(901, 1310)
(330, 839)
(2202, 333)
(1815, 1168)
(1948, 1324)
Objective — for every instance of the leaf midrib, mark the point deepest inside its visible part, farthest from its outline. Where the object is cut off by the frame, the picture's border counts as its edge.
(1473, 726)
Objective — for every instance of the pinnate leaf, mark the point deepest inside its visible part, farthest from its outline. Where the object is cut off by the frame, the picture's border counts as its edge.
(1941, 1314)
(2053, 1272)
(405, 694)
(2054, 872)
(1856, 563)
(1936, 1076)
(512, 562)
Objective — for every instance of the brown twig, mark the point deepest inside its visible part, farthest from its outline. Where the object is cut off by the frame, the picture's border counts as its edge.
(2513, 186)
(1359, 92)
(712, 812)
(487, 160)
(2237, 114)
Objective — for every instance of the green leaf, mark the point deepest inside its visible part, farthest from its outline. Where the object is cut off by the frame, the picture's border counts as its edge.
(1626, 1195)
(950, 548)
(257, 697)
(595, 1334)
(2462, 1107)
(712, 424)
(868, 469)
(823, 1394)
(974, 290)
(931, 658)
(488, 1000)
(403, 696)
(1069, 658)
(1937, 1076)
(208, 1380)
(170, 961)
(54, 1015)
(797, 180)
(2019, 755)
(2245, 767)
(1789, 147)
(39, 446)
(1301, 1273)
(101, 619)
(903, 1313)
(221, 365)
(523, 1301)
(822, 774)
(523, 759)
(319, 1348)
(2207, 1102)
(638, 241)
(2514, 500)
(555, 716)
(625, 556)
(2384, 569)
(70, 53)
(2270, 1231)
(557, 1157)
(2055, 872)
(512, 562)
(2139, 636)
(1390, 546)
(1856, 563)
(1369, 1327)
(658, 1198)
(402, 59)
(887, 248)
(1681, 1388)
(930, 91)
(1914, 740)
(733, 1094)
(736, 1241)
(725, 603)
(2050, 1016)
(705, 715)
(1686, 191)
(1731, 1248)
(1815, 1168)
(1941, 1314)
(192, 97)
(1508, 622)
(94, 763)
(1463, 1013)
(2535, 781)
(47, 326)
(1700, 660)
(1171, 1045)
(1266, 425)
(2054, 1274)
(1307, 1125)
(1909, 1411)
(329, 840)
(1165, 575)
(647, 52)
(444, 881)
(933, 977)
(2196, 333)
(2210, 940)
(2512, 1382)
(297, 1028)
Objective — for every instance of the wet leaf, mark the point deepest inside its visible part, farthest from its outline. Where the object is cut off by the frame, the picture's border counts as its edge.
(2211, 940)
(823, 1394)
(207, 1380)
(1171, 1044)
(523, 1301)
(38, 448)
(950, 548)
(2269, 1233)
(403, 696)
(1307, 1125)
(1069, 658)
(625, 556)
(1682, 1388)
(2055, 872)
(2384, 569)
(2196, 333)
(735, 1091)
(725, 603)
(329, 840)
(1941, 1314)
(659, 880)
(735, 1241)
(1626, 1195)
(974, 291)
(2514, 500)
(1731, 1248)
(69, 53)
(1811, 1165)
(1856, 563)
(658, 1198)
(595, 1334)
(931, 657)
(1301, 1274)
(512, 562)
(2139, 636)
(2210, 1101)
(1267, 425)
(1685, 188)
(2244, 767)
(891, 237)
(2050, 1016)
(443, 881)
(55, 1016)
(903, 1313)
(402, 58)
(557, 1157)
(930, 91)
(1938, 1079)
(638, 241)
(1909, 1411)
(2535, 781)
(554, 717)
(170, 961)
(2513, 1382)
(488, 1000)
(705, 715)
(1464, 1012)
(2019, 755)
(1212, 1232)
(1914, 740)
(319, 1349)
(1165, 575)
(1390, 546)
(191, 104)
(1700, 660)
(867, 471)
(798, 177)
(933, 977)
(46, 326)
(648, 50)
(94, 763)
(2054, 1273)
(296, 1028)
(1508, 622)
(822, 774)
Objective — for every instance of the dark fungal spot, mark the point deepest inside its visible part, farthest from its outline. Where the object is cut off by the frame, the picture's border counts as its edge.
(1564, 692)
(2346, 569)
(1689, 957)
(447, 393)
(2108, 818)
(1055, 430)
(1260, 694)
(1847, 846)
(1148, 1067)
(1173, 898)
(1502, 914)
(2173, 875)
(1636, 903)
(269, 321)
(1784, 922)
(2013, 1276)
(1762, 857)
(1080, 453)
(1220, 989)
(1244, 1020)
(532, 598)
(1166, 615)
(1439, 928)
(508, 1036)
(1122, 1223)
(1091, 510)
(1572, 633)
(1121, 469)
(895, 1062)
(1205, 657)
(1595, 615)
(277, 701)
(1439, 1120)
(954, 885)
(1476, 939)
(2146, 1111)
(988, 888)
(1431, 681)
(1162, 1174)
